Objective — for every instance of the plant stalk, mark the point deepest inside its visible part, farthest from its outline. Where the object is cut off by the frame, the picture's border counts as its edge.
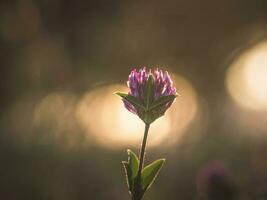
(138, 188)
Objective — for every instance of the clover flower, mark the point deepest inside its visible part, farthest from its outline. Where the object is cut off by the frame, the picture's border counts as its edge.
(150, 95)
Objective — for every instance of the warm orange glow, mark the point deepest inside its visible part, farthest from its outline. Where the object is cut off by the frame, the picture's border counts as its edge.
(247, 78)
(184, 110)
(103, 116)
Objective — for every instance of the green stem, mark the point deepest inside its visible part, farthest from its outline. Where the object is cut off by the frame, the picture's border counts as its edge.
(138, 191)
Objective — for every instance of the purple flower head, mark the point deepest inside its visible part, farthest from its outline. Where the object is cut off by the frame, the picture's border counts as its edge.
(151, 93)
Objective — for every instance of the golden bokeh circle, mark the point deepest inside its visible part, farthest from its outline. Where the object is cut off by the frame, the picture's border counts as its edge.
(246, 78)
(103, 116)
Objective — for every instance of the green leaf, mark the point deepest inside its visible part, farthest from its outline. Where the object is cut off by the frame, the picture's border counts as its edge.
(133, 162)
(131, 168)
(149, 91)
(162, 101)
(133, 100)
(150, 173)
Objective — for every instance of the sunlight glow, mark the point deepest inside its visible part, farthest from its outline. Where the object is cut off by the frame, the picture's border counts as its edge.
(103, 116)
(247, 78)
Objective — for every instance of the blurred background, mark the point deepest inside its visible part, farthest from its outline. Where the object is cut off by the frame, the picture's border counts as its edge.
(63, 134)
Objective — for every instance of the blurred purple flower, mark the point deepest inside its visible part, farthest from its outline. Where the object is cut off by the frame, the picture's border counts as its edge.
(161, 86)
(214, 182)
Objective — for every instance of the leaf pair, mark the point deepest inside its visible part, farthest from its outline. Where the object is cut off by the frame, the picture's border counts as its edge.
(139, 105)
(150, 110)
(148, 176)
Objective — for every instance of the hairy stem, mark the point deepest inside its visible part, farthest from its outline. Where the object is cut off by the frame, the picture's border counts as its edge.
(138, 188)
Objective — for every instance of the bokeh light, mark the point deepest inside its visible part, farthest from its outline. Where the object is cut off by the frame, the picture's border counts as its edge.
(103, 116)
(246, 78)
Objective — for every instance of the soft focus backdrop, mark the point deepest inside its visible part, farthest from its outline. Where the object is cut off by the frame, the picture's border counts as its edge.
(63, 133)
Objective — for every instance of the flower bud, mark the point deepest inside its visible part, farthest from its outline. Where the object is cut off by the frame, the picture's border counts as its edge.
(150, 95)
